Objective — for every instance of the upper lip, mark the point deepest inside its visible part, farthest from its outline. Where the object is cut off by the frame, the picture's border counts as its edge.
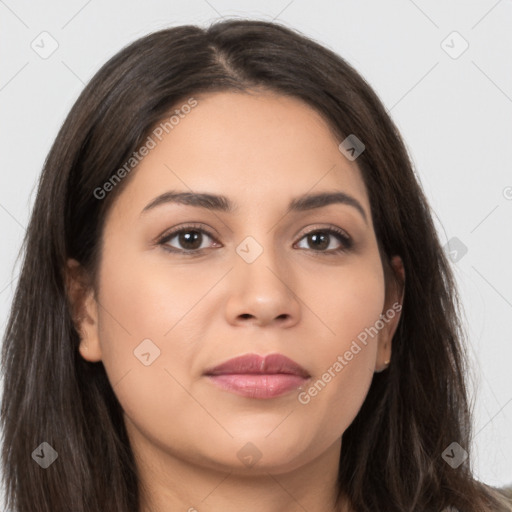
(256, 364)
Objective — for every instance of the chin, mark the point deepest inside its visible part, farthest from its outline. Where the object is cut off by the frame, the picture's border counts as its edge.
(261, 452)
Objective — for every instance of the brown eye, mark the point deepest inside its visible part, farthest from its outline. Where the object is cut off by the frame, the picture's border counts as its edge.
(185, 239)
(320, 239)
(190, 240)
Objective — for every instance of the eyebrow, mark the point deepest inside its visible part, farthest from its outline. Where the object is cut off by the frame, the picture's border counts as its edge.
(223, 204)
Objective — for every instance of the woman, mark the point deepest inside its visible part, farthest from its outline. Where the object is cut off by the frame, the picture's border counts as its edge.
(305, 355)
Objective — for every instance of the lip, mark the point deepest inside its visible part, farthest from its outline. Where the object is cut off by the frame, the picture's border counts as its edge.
(256, 376)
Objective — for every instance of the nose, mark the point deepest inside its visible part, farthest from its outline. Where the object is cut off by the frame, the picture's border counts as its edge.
(262, 292)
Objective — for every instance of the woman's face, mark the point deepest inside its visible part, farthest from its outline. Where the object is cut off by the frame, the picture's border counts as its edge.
(245, 280)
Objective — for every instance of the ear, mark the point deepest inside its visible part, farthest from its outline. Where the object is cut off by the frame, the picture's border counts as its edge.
(84, 310)
(395, 288)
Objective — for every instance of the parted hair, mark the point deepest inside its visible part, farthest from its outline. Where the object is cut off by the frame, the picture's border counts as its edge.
(391, 457)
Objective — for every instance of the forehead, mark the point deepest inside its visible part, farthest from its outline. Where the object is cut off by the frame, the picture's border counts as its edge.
(258, 149)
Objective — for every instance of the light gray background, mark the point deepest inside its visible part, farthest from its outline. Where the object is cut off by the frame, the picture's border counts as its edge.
(455, 115)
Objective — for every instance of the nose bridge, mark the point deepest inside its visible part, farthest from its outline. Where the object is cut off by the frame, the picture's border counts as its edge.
(259, 259)
(260, 285)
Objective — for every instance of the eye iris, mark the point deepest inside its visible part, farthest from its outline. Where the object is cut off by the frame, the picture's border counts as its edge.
(190, 239)
(185, 238)
(323, 238)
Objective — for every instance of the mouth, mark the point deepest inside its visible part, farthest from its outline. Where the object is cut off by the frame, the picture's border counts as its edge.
(255, 376)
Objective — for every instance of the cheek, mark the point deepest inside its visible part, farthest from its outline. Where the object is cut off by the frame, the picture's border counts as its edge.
(345, 300)
(350, 302)
(146, 341)
(142, 309)
(142, 299)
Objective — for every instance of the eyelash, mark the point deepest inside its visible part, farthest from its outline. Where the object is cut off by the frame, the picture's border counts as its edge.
(346, 241)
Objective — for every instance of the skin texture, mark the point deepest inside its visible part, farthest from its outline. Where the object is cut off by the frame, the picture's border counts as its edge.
(260, 150)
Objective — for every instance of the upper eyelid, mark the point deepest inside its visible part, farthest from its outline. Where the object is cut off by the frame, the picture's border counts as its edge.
(174, 232)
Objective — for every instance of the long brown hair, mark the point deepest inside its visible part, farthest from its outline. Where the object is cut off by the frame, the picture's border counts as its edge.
(392, 453)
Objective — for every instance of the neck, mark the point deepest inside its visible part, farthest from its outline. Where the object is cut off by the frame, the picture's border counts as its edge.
(168, 483)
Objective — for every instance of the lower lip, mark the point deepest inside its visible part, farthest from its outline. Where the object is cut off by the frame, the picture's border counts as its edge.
(258, 386)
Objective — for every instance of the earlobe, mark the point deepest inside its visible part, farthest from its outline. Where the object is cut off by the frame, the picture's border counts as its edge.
(93, 355)
(83, 310)
(90, 348)
(395, 290)
(380, 367)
